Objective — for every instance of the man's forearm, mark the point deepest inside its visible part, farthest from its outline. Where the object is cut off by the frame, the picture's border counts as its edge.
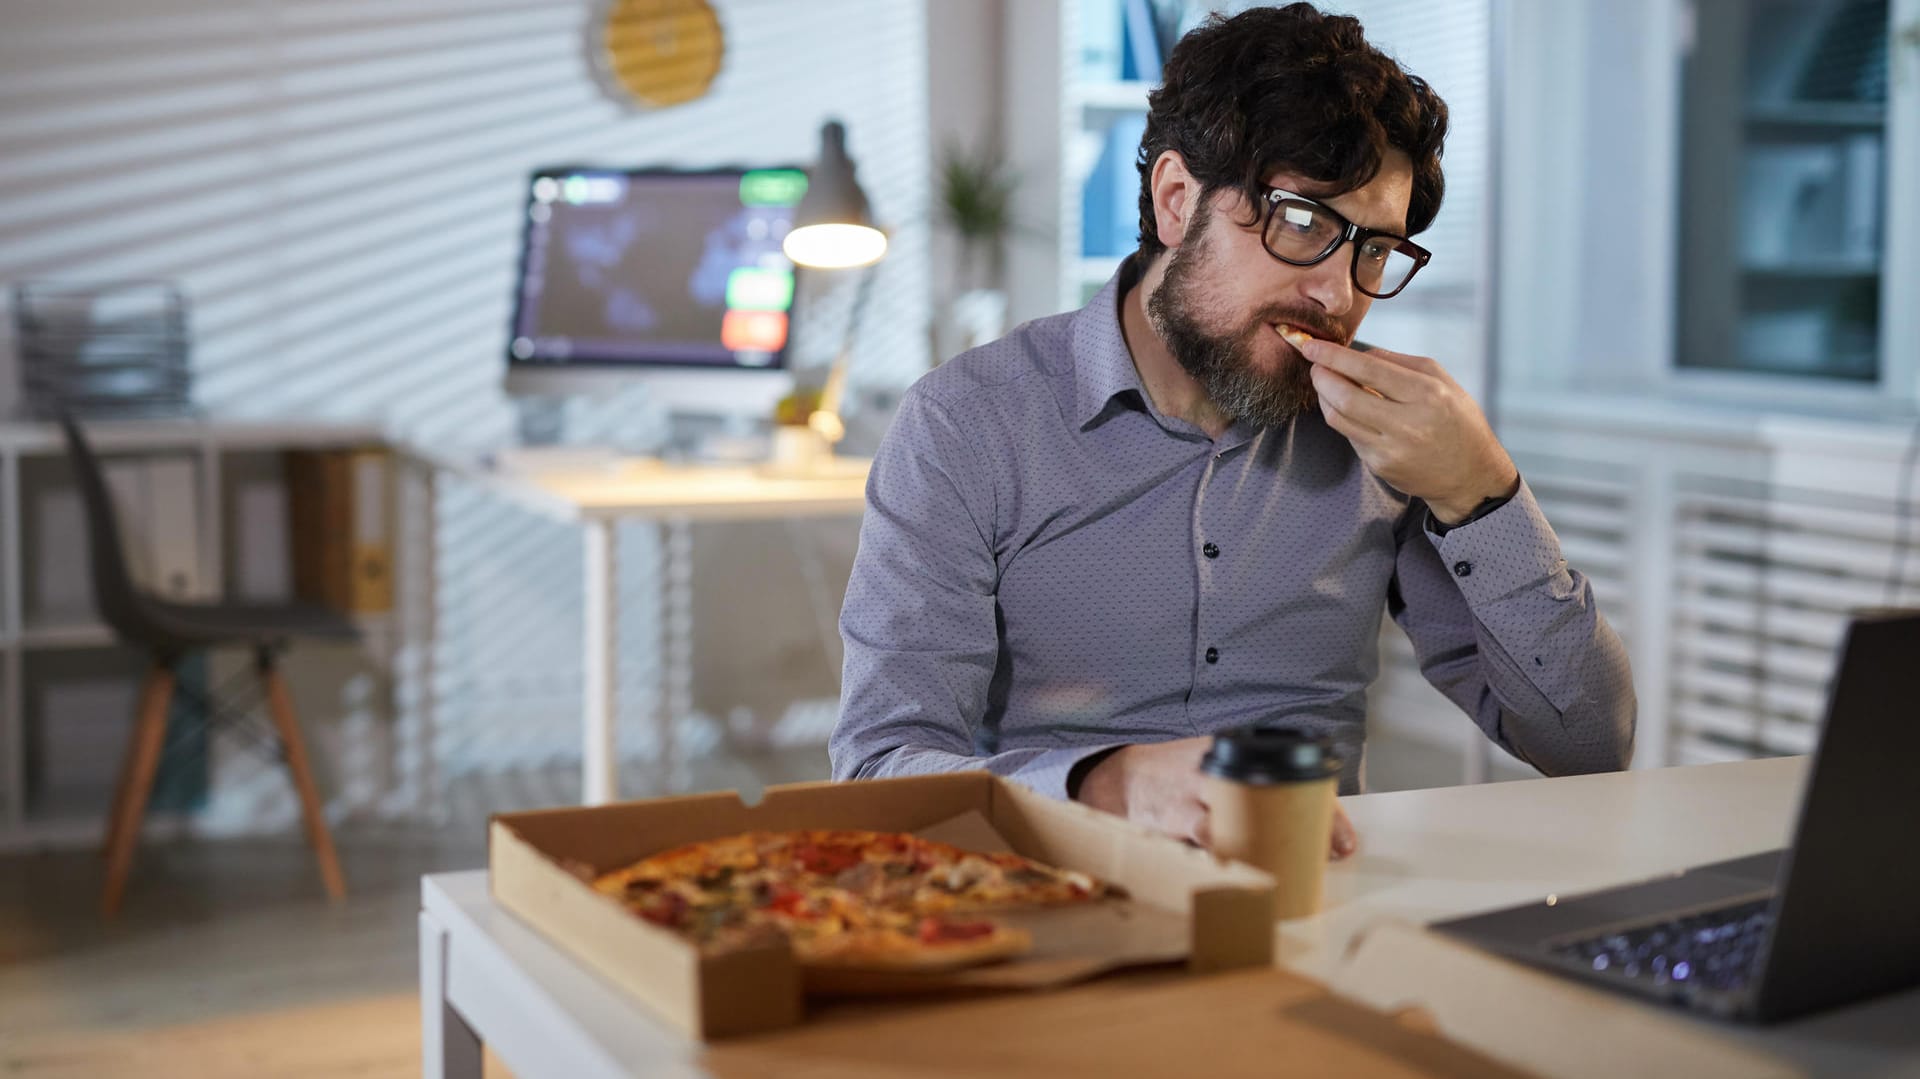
(1545, 676)
(1593, 731)
(1045, 770)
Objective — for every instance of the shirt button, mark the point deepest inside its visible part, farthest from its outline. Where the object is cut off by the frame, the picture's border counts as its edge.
(1463, 569)
(1211, 551)
(1213, 655)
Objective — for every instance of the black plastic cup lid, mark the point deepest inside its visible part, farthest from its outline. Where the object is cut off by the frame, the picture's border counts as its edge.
(1270, 755)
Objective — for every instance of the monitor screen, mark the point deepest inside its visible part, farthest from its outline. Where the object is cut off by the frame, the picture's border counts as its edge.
(645, 268)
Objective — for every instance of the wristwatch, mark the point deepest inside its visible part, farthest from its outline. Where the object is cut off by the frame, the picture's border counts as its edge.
(1486, 506)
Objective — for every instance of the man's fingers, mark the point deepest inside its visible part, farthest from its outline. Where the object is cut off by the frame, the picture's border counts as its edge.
(1357, 433)
(1345, 839)
(1393, 379)
(1345, 403)
(1420, 364)
(1358, 403)
(1199, 828)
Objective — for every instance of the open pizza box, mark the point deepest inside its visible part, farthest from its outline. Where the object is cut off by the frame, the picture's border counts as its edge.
(1183, 906)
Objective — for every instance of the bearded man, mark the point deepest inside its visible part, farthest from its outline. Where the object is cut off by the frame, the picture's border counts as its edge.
(1184, 507)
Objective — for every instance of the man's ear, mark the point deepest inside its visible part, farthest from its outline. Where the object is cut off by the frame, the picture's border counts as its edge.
(1174, 189)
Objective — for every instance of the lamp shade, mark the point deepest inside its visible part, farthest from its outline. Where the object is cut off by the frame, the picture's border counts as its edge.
(832, 226)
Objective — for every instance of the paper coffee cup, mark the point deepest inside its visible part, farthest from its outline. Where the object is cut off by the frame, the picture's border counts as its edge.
(1270, 798)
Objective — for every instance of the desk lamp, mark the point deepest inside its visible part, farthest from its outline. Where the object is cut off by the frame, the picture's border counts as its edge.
(833, 230)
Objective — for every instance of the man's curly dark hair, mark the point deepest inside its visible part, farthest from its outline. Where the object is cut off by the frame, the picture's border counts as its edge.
(1289, 88)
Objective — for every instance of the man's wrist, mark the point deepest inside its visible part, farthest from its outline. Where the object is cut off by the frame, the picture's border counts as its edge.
(1452, 512)
(1096, 780)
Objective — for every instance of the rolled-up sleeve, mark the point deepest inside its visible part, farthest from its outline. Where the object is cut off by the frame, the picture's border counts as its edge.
(919, 622)
(1510, 633)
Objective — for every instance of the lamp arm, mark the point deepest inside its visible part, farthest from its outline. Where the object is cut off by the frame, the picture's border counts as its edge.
(836, 386)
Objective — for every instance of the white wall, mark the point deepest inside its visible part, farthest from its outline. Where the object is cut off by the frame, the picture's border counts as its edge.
(965, 73)
(338, 183)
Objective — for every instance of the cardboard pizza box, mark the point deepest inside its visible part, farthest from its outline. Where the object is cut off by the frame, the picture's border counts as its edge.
(540, 864)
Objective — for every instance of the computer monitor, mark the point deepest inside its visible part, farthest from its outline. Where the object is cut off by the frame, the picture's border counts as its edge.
(675, 277)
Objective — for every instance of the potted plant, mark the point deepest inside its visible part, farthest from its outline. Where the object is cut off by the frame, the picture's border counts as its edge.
(975, 203)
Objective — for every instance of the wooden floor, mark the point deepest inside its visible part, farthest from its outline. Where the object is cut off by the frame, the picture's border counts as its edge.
(227, 961)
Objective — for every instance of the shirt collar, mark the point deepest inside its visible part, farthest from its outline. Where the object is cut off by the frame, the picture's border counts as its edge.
(1102, 367)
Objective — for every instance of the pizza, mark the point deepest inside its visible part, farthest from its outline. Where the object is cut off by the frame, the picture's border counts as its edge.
(869, 900)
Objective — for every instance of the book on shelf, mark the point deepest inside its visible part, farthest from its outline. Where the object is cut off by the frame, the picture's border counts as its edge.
(173, 530)
(1142, 56)
(340, 508)
(1110, 198)
(1860, 206)
(156, 509)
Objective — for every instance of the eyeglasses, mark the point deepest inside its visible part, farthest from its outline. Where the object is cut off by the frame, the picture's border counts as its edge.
(1302, 232)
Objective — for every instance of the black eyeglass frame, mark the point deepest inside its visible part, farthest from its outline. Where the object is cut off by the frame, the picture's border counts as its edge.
(1349, 232)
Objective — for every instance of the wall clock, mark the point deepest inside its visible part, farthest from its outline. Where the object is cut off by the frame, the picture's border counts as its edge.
(652, 54)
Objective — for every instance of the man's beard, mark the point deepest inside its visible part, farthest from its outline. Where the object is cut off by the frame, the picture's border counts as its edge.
(1223, 364)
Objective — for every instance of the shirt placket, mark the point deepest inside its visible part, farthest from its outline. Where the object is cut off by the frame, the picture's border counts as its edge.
(1210, 549)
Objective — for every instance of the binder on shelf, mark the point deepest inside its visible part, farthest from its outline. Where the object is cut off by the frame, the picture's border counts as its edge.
(127, 486)
(172, 534)
(1860, 229)
(340, 509)
(60, 587)
(1110, 198)
(370, 580)
(263, 541)
(1142, 59)
(156, 507)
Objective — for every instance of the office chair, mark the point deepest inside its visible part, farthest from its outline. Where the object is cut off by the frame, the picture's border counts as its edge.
(167, 632)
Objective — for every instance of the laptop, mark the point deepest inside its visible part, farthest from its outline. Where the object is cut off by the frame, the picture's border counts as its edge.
(1831, 919)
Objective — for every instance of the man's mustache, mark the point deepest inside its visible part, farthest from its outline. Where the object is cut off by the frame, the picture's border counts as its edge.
(1316, 324)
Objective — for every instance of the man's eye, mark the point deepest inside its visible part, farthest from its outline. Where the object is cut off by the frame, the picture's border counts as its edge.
(1375, 252)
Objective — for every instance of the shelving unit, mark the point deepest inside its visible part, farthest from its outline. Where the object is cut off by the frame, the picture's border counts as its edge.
(1092, 103)
(1097, 97)
(1785, 170)
(29, 639)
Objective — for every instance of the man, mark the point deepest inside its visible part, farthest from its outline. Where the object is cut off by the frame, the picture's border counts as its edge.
(1183, 508)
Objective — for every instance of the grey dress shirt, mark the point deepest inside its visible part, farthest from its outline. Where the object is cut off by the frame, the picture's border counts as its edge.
(1050, 567)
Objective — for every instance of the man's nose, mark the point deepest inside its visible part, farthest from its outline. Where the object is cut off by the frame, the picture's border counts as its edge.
(1329, 282)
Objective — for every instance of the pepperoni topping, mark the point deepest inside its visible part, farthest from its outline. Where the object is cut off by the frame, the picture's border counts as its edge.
(667, 910)
(788, 901)
(826, 860)
(939, 930)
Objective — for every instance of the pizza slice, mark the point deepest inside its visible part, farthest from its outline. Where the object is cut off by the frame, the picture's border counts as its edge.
(846, 898)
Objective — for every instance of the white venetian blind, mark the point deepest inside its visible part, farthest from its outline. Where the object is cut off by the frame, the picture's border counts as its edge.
(337, 182)
(1766, 581)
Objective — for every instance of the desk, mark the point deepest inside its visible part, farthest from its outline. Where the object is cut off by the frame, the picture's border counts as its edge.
(673, 496)
(1424, 854)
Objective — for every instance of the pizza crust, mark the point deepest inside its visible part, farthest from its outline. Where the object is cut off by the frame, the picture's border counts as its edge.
(881, 950)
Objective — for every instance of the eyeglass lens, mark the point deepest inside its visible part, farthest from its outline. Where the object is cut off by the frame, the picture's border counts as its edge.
(1302, 232)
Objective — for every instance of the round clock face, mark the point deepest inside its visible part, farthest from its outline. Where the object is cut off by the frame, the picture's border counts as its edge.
(655, 53)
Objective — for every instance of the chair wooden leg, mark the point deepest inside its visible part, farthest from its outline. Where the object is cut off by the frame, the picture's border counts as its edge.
(280, 703)
(136, 784)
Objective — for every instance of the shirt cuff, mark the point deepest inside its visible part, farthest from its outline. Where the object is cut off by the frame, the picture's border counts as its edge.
(1511, 549)
(1050, 772)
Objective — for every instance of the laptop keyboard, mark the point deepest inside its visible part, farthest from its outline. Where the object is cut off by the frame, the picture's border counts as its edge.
(1715, 949)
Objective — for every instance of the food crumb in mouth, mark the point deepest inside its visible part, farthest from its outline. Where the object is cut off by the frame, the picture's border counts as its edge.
(1295, 336)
